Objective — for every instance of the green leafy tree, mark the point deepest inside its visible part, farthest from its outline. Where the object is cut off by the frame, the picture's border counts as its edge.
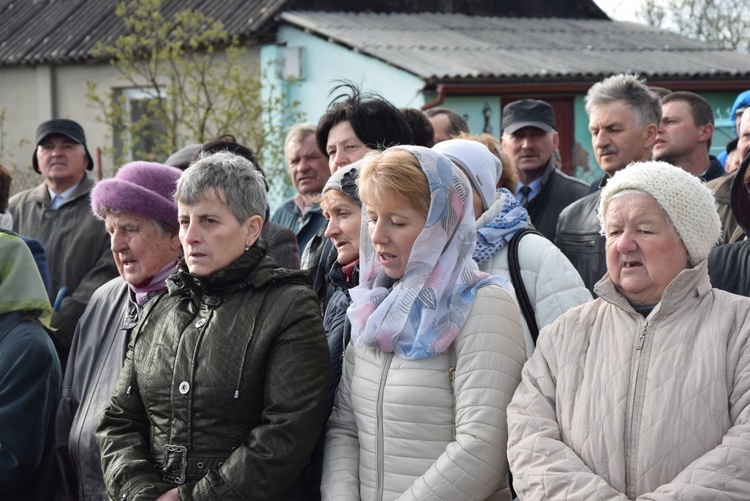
(195, 83)
(723, 22)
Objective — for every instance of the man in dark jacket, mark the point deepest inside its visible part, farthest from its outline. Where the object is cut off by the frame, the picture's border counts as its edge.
(530, 139)
(684, 135)
(624, 116)
(729, 265)
(58, 214)
(731, 231)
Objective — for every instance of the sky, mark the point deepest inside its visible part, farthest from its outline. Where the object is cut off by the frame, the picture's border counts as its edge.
(620, 10)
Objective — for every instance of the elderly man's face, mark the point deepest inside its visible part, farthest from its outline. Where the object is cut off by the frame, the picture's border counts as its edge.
(530, 148)
(616, 137)
(62, 161)
(644, 253)
(139, 251)
(307, 165)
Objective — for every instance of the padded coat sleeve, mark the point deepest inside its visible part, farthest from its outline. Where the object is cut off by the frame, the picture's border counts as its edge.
(723, 472)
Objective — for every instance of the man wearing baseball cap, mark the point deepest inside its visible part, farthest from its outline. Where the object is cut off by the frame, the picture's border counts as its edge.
(530, 139)
(58, 214)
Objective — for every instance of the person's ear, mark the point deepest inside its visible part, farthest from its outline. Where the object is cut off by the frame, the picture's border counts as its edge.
(253, 225)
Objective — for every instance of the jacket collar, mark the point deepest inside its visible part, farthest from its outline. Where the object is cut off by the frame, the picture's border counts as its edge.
(41, 193)
(690, 284)
(253, 269)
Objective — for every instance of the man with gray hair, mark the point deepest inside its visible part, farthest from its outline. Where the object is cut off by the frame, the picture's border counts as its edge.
(624, 116)
(308, 169)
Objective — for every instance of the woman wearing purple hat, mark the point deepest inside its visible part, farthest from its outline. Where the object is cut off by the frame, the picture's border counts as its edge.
(141, 219)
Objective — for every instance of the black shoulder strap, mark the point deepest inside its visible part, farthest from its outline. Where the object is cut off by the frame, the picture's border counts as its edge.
(527, 309)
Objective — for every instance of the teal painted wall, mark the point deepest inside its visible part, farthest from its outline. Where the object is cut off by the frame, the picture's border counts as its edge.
(482, 113)
(323, 63)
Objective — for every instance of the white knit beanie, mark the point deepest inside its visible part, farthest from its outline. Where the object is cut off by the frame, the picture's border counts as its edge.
(687, 201)
(476, 161)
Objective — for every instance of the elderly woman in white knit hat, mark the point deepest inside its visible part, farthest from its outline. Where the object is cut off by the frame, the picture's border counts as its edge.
(141, 219)
(644, 392)
(545, 283)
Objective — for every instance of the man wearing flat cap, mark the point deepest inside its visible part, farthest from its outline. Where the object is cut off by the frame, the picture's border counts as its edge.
(530, 139)
(58, 214)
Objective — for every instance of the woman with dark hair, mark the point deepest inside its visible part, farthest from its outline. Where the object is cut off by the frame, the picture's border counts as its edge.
(421, 129)
(356, 123)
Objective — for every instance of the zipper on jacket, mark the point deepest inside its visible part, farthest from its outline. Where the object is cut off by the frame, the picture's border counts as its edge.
(642, 338)
(380, 439)
(631, 460)
(243, 359)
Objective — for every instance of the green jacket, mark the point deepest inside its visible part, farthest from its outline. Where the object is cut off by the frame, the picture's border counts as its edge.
(223, 391)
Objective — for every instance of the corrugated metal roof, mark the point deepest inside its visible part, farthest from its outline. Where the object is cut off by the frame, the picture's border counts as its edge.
(459, 47)
(64, 31)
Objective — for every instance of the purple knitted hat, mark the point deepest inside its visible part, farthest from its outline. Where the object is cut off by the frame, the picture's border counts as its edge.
(143, 188)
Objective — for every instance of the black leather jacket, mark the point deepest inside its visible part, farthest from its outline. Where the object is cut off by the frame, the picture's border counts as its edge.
(223, 391)
(579, 238)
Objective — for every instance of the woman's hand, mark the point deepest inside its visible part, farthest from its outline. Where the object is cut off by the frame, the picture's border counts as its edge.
(170, 495)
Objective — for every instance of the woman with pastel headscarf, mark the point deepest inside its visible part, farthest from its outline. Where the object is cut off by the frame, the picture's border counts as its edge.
(437, 346)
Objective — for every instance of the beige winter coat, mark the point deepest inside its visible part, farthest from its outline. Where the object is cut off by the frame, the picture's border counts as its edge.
(615, 406)
(391, 433)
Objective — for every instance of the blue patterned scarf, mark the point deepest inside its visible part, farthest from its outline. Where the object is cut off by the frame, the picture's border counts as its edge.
(511, 217)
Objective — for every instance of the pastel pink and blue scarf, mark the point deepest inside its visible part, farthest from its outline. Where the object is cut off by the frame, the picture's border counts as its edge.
(422, 314)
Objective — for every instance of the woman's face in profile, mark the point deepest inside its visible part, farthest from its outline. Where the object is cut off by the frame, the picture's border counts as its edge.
(394, 226)
(344, 217)
(211, 236)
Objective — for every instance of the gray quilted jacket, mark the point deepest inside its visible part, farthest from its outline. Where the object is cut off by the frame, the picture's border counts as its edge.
(616, 406)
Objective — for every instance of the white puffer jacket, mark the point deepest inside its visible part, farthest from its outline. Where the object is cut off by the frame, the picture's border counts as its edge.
(552, 283)
(615, 406)
(391, 433)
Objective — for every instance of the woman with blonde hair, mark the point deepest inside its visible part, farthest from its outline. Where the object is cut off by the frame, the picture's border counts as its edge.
(437, 346)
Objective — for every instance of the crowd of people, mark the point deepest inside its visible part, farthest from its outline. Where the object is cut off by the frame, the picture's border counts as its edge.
(433, 314)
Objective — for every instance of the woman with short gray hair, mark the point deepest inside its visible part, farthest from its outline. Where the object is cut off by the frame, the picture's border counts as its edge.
(223, 392)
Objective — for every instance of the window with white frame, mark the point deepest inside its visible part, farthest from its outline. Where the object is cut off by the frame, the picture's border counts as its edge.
(137, 103)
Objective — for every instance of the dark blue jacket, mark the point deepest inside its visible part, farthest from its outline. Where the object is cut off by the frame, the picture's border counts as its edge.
(30, 379)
